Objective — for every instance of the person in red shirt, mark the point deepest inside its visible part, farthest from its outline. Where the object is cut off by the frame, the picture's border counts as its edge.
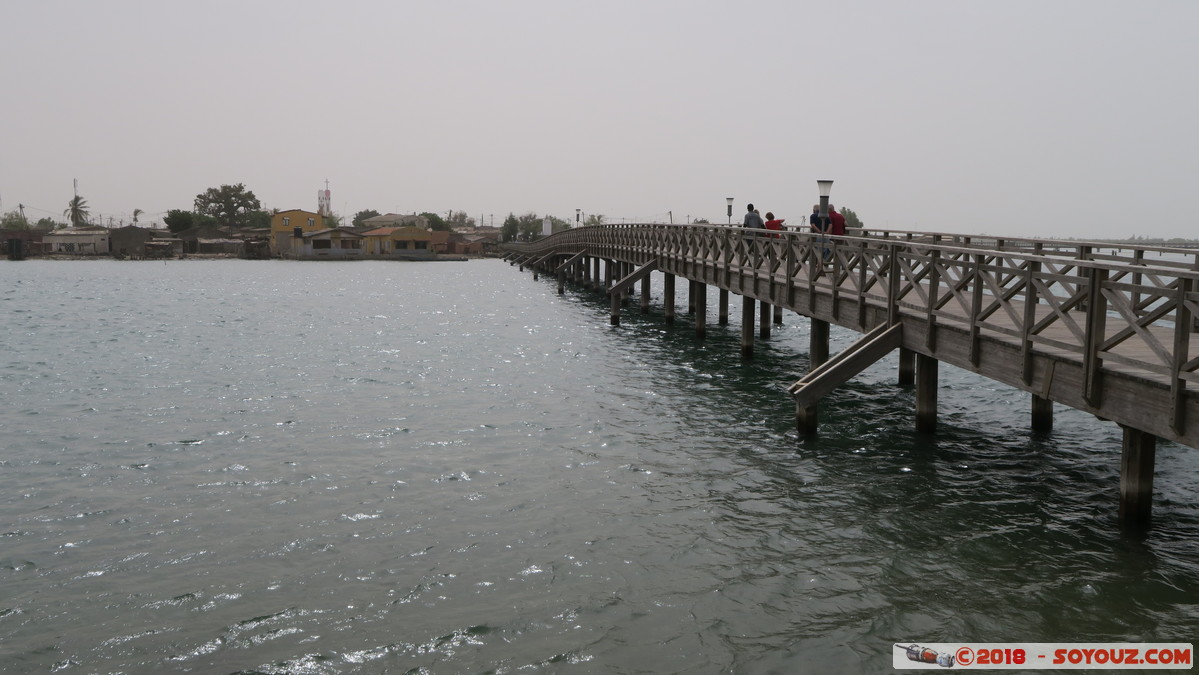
(836, 222)
(773, 223)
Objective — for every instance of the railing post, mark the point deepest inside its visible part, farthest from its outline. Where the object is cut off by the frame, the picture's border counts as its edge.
(1183, 327)
(976, 308)
(728, 257)
(934, 290)
(789, 265)
(1030, 318)
(893, 286)
(1092, 361)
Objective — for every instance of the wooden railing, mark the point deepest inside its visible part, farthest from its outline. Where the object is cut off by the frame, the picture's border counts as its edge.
(1114, 308)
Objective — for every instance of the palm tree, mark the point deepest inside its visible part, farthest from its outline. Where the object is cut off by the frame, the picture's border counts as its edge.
(136, 213)
(76, 211)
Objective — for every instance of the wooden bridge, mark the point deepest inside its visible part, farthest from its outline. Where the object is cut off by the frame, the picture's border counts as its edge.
(1110, 331)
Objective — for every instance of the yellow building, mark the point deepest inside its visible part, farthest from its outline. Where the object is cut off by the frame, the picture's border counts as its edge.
(283, 229)
(399, 242)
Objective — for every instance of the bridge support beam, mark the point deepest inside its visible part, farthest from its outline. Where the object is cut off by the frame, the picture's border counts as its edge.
(747, 327)
(596, 279)
(807, 418)
(778, 315)
(691, 284)
(668, 298)
(701, 310)
(1042, 414)
(907, 367)
(645, 295)
(1136, 479)
(926, 394)
(723, 319)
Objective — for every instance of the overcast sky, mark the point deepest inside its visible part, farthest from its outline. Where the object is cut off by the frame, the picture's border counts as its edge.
(1016, 117)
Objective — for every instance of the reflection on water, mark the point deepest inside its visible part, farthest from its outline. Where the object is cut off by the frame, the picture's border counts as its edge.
(375, 467)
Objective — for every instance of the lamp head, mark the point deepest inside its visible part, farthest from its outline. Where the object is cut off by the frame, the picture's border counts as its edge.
(826, 186)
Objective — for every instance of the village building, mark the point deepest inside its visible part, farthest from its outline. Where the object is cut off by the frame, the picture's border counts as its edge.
(399, 243)
(335, 243)
(286, 224)
(130, 241)
(90, 240)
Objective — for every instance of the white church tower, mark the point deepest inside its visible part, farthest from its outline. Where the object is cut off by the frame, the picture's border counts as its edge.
(323, 199)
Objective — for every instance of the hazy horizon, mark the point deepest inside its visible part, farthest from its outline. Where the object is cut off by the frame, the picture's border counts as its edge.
(1060, 119)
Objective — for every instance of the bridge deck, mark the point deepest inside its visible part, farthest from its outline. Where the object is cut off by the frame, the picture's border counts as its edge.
(1108, 331)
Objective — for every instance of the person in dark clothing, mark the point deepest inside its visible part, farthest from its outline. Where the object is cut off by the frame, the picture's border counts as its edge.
(821, 230)
(752, 219)
(814, 220)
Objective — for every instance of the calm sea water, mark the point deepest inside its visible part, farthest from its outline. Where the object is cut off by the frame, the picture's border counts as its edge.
(279, 467)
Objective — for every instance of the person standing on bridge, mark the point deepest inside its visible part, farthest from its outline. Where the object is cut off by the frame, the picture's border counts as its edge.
(820, 228)
(836, 222)
(752, 219)
(773, 223)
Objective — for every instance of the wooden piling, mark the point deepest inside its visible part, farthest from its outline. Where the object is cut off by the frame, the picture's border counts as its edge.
(1042, 414)
(701, 310)
(645, 295)
(1136, 479)
(747, 327)
(926, 394)
(723, 316)
(907, 367)
(807, 418)
(668, 297)
(764, 314)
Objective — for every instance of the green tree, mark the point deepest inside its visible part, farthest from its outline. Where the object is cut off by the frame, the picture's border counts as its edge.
(510, 230)
(331, 220)
(13, 220)
(459, 219)
(851, 218)
(529, 226)
(260, 219)
(595, 219)
(436, 222)
(178, 220)
(76, 211)
(137, 213)
(230, 205)
(363, 215)
(46, 224)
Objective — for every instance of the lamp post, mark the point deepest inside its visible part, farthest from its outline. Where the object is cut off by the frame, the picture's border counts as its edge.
(578, 214)
(826, 186)
(729, 202)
